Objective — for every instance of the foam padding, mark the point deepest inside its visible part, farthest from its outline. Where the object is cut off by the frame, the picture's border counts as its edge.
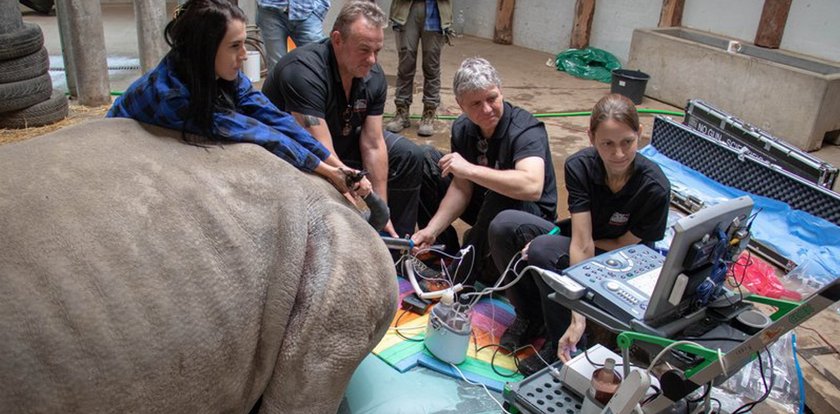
(490, 317)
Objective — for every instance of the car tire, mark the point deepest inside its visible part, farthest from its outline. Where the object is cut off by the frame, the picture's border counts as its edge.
(23, 42)
(50, 111)
(28, 92)
(25, 67)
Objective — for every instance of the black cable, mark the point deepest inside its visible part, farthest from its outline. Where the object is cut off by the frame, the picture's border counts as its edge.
(397, 324)
(749, 406)
(657, 392)
(493, 358)
(720, 406)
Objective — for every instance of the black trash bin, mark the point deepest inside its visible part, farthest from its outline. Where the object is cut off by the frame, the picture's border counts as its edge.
(630, 83)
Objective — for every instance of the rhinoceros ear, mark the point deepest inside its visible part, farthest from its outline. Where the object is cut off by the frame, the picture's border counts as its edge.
(379, 213)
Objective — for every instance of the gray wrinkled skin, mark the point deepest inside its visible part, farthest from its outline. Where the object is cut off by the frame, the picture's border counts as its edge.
(141, 274)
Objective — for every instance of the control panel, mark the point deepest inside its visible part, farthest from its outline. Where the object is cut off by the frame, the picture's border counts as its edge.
(621, 281)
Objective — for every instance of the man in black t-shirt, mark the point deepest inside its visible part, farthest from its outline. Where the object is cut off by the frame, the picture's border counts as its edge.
(500, 160)
(335, 89)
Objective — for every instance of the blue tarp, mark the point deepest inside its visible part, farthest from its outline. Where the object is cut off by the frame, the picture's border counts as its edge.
(810, 241)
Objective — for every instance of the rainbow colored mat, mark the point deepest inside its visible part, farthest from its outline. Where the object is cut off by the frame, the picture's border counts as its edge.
(490, 318)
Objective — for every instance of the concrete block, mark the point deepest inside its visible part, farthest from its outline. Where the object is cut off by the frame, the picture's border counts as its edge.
(791, 96)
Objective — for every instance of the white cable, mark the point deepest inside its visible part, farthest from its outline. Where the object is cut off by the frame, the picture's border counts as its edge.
(514, 261)
(497, 288)
(482, 386)
(461, 254)
(405, 328)
(666, 349)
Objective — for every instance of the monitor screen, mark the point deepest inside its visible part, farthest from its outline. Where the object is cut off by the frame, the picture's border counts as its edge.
(688, 263)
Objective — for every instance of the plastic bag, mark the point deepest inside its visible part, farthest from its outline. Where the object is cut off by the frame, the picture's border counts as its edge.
(589, 63)
(759, 277)
(747, 385)
(803, 280)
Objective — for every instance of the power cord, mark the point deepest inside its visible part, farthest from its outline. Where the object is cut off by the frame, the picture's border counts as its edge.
(400, 334)
(666, 349)
(749, 406)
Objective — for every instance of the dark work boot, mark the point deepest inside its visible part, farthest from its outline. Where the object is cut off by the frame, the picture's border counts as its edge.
(427, 123)
(540, 360)
(520, 332)
(400, 121)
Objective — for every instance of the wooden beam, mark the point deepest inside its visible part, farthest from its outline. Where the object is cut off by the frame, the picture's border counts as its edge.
(584, 10)
(503, 34)
(671, 13)
(771, 27)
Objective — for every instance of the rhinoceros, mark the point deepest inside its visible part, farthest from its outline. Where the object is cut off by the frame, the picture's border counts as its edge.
(139, 273)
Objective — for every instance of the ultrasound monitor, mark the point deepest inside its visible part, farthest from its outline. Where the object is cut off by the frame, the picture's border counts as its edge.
(684, 268)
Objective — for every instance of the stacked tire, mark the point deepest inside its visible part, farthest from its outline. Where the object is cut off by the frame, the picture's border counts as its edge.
(26, 95)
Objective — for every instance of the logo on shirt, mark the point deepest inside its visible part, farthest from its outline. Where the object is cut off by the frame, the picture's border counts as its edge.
(619, 219)
(360, 105)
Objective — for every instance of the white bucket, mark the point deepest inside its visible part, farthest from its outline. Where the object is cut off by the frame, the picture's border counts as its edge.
(251, 66)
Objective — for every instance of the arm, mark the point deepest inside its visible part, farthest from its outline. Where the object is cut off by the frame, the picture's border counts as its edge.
(317, 127)
(581, 248)
(524, 182)
(375, 155)
(255, 104)
(625, 239)
(457, 198)
(234, 126)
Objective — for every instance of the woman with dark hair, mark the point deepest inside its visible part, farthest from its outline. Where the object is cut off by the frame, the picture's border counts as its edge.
(198, 88)
(617, 197)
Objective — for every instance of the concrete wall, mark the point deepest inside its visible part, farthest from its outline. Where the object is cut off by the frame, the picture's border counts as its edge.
(813, 28)
(614, 21)
(736, 19)
(546, 25)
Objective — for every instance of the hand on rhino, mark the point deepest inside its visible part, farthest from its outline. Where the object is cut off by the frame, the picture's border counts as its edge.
(142, 274)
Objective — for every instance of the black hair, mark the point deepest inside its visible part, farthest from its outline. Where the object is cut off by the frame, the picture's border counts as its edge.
(194, 35)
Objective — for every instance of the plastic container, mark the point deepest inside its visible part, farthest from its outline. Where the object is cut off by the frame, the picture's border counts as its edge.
(448, 331)
(458, 24)
(630, 83)
(251, 66)
(604, 384)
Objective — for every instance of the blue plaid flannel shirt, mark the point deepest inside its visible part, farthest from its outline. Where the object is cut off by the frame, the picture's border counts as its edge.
(160, 98)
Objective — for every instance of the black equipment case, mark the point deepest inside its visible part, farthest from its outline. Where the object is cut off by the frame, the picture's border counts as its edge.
(735, 168)
(742, 136)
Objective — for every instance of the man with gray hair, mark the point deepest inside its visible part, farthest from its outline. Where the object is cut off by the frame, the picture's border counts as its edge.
(500, 160)
(335, 90)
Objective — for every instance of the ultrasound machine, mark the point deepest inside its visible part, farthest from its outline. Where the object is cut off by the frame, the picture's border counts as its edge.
(652, 301)
(634, 288)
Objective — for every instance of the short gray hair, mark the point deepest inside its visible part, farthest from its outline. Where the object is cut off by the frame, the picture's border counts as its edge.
(356, 9)
(475, 74)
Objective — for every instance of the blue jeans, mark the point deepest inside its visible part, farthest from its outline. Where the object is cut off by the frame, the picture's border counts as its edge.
(275, 27)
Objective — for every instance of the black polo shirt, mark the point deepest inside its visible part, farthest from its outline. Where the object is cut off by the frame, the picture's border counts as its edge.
(306, 80)
(518, 135)
(640, 207)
